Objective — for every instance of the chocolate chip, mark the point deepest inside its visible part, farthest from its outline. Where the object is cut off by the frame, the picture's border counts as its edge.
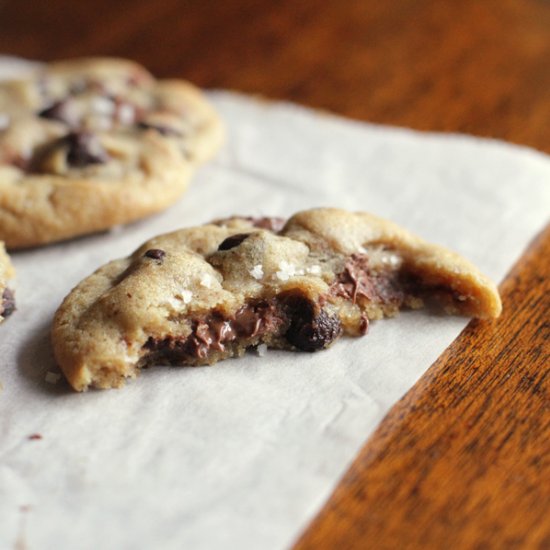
(155, 254)
(233, 241)
(160, 128)
(84, 149)
(58, 111)
(8, 303)
(311, 329)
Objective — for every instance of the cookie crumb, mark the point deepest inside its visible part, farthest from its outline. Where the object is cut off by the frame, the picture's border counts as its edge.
(261, 350)
(34, 437)
(257, 272)
(52, 377)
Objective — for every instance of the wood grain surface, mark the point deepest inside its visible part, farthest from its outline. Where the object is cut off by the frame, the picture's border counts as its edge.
(463, 461)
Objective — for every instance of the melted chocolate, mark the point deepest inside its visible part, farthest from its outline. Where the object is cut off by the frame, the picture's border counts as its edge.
(303, 323)
(311, 328)
(357, 281)
(215, 331)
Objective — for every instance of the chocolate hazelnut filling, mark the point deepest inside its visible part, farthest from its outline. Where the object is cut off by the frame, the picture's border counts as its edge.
(7, 306)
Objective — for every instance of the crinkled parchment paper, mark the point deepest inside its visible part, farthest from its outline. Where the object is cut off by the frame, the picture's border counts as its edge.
(243, 454)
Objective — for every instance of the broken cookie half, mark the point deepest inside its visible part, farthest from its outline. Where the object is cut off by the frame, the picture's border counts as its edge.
(199, 295)
(7, 297)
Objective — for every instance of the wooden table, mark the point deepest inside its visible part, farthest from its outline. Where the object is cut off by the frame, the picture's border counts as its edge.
(463, 460)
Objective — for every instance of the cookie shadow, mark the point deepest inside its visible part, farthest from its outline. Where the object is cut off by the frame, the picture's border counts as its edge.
(37, 366)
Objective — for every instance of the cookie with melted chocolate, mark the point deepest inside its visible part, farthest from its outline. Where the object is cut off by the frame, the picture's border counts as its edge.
(200, 295)
(7, 296)
(92, 143)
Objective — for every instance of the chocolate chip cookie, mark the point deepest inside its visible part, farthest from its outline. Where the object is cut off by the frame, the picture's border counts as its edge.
(199, 295)
(7, 297)
(92, 143)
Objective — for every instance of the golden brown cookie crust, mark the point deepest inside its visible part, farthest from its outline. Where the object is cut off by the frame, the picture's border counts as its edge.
(92, 143)
(202, 294)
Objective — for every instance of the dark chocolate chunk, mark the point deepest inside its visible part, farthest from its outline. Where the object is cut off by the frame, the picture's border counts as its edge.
(84, 149)
(8, 303)
(59, 111)
(233, 241)
(311, 329)
(155, 254)
(161, 129)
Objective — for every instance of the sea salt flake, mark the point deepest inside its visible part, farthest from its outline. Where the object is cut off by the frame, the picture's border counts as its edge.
(206, 280)
(286, 271)
(261, 350)
(257, 272)
(186, 296)
(174, 302)
(314, 270)
(52, 377)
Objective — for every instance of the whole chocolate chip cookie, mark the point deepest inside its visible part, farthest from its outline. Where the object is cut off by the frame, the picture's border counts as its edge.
(92, 143)
(199, 295)
(7, 297)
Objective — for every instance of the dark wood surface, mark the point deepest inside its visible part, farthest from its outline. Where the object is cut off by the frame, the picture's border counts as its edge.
(463, 460)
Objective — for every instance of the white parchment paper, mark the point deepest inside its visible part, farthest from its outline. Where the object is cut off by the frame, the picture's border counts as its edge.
(243, 454)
